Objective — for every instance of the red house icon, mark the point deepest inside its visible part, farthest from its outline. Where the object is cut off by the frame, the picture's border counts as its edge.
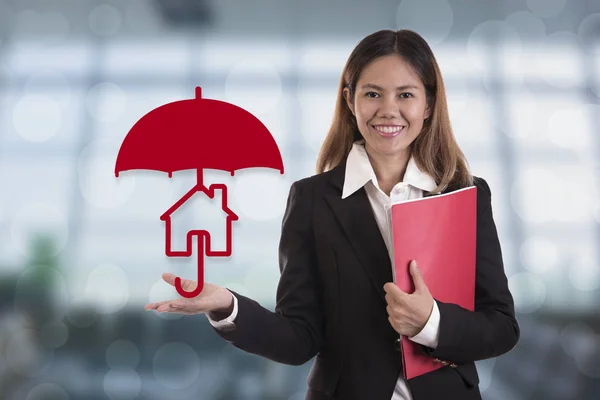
(203, 236)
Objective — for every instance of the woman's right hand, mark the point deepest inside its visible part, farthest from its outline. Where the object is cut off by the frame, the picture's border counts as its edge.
(213, 299)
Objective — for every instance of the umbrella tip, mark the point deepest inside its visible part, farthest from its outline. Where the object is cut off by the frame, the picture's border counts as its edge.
(198, 92)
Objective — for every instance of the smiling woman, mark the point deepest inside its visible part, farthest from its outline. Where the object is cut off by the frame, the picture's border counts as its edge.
(392, 95)
(390, 141)
(388, 116)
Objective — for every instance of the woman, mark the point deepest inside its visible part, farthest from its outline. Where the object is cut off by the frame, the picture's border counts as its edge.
(390, 140)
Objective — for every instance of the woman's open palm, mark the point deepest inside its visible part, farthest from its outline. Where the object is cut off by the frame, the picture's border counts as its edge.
(212, 298)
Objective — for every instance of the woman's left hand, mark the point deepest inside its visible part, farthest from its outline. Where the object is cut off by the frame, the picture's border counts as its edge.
(408, 313)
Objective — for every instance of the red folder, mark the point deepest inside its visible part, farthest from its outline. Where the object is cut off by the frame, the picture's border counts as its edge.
(439, 232)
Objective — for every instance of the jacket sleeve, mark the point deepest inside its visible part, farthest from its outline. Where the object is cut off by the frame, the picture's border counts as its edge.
(491, 329)
(292, 334)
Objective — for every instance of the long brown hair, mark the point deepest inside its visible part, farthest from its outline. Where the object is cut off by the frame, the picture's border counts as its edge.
(435, 150)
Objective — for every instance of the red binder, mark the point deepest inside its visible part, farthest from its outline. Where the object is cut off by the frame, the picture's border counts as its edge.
(439, 232)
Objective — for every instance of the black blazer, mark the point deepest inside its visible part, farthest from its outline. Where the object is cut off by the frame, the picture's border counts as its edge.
(330, 302)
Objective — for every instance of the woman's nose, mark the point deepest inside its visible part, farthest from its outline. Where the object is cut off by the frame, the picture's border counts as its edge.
(389, 108)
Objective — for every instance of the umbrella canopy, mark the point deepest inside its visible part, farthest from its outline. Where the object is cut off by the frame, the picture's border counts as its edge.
(198, 134)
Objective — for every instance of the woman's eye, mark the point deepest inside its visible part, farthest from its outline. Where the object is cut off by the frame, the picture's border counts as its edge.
(409, 95)
(372, 94)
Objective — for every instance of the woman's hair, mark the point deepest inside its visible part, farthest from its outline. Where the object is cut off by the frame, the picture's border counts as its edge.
(435, 149)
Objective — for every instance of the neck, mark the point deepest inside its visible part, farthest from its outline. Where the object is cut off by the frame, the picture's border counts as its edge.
(389, 170)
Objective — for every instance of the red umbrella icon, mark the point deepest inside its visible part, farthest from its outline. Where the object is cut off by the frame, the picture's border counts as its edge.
(198, 134)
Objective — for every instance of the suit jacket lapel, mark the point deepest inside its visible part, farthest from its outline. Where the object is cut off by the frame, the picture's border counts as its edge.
(358, 222)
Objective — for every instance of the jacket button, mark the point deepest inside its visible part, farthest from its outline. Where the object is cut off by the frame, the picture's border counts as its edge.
(397, 344)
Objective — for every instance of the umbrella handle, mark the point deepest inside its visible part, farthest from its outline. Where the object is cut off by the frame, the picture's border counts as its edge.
(191, 294)
(200, 286)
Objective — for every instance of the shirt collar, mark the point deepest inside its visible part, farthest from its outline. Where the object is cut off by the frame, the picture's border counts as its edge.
(359, 172)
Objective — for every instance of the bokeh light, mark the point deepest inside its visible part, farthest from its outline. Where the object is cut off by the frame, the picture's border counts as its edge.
(472, 125)
(240, 92)
(176, 365)
(539, 254)
(47, 391)
(36, 219)
(528, 25)
(103, 277)
(37, 118)
(122, 384)
(580, 341)
(106, 102)
(589, 31)
(523, 107)
(318, 111)
(557, 61)
(569, 128)
(122, 354)
(43, 79)
(25, 355)
(575, 338)
(528, 290)
(499, 36)
(584, 274)
(99, 188)
(546, 8)
(323, 57)
(82, 312)
(41, 289)
(531, 189)
(260, 194)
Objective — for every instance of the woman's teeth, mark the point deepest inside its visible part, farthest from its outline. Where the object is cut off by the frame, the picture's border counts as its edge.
(389, 130)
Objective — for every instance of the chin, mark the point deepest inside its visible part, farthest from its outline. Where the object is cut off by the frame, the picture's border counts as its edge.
(391, 147)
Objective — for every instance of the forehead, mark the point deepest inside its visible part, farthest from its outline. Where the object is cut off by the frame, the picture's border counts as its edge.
(389, 70)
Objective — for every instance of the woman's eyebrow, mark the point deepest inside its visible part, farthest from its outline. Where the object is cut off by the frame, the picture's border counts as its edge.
(373, 86)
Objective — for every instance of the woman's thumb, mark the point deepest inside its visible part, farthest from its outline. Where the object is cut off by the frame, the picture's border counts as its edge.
(416, 275)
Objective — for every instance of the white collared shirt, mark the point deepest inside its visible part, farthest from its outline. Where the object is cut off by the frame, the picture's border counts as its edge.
(359, 173)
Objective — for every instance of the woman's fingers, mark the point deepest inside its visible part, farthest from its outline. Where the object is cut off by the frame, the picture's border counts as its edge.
(164, 307)
(212, 297)
(180, 305)
(188, 285)
(168, 306)
(154, 306)
(169, 278)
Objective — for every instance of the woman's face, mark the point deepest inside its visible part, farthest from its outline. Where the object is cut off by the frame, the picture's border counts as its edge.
(389, 105)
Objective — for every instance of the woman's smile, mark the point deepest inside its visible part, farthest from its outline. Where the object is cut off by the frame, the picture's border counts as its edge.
(389, 131)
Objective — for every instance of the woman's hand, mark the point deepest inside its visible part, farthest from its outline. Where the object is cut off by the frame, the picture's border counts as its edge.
(214, 299)
(408, 313)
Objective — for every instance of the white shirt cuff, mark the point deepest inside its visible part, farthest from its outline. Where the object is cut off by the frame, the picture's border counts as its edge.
(430, 333)
(228, 322)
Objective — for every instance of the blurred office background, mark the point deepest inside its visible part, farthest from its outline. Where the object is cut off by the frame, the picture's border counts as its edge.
(82, 251)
